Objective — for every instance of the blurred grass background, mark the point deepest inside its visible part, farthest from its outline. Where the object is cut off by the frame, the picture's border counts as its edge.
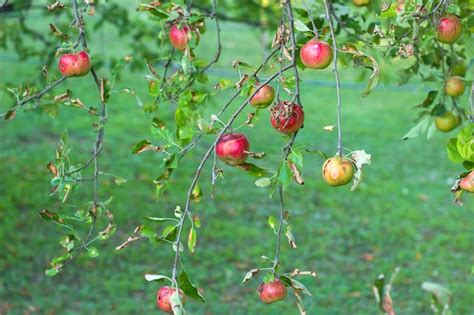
(401, 215)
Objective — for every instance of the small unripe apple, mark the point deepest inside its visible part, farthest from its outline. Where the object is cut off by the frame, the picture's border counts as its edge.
(454, 86)
(338, 171)
(287, 117)
(447, 122)
(74, 65)
(272, 292)
(264, 97)
(361, 3)
(459, 69)
(449, 29)
(316, 54)
(233, 148)
(467, 183)
(179, 37)
(163, 299)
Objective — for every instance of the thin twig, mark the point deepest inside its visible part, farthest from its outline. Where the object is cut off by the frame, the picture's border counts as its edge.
(336, 74)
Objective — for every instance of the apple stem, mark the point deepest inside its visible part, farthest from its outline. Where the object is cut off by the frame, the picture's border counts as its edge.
(336, 74)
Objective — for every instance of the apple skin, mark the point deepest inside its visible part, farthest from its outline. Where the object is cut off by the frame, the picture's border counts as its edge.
(316, 54)
(272, 292)
(338, 171)
(361, 3)
(263, 98)
(287, 117)
(447, 122)
(75, 65)
(459, 69)
(449, 29)
(233, 148)
(163, 299)
(179, 37)
(454, 86)
(467, 183)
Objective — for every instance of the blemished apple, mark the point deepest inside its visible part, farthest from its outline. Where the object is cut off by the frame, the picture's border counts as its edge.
(163, 299)
(449, 29)
(179, 37)
(454, 86)
(287, 117)
(361, 3)
(316, 54)
(447, 122)
(233, 148)
(272, 292)
(338, 171)
(75, 65)
(467, 182)
(264, 97)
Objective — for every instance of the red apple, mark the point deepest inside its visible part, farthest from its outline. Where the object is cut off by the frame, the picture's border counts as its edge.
(233, 148)
(287, 117)
(163, 299)
(272, 292)
(74, 65)
(454, 86)
(447, 122)
(338, 171)
(179, 37)
(449, 29)
(467, 182)
(361, 3)
(316, 54)
(263, 98)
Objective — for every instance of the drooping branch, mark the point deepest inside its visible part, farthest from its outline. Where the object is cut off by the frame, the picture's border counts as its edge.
(35, 97)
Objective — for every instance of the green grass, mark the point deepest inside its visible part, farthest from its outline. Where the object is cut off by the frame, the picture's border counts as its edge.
(402, 214)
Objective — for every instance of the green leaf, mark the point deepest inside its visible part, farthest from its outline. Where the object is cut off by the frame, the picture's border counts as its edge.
(284, 175)
(51, 272)
(465, 143)
(252, 169)
(157, 219)
(159, 278)
(273, 222)
(92, 252)
(419, 129)
(453, 153)
(263, 182)
(188, 287)
(430, 98)
(300, 26)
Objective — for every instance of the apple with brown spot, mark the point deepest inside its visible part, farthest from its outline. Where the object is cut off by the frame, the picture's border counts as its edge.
(287, 117)
(338, 171)
(163, 299)
(272, 292)
(75, 65)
